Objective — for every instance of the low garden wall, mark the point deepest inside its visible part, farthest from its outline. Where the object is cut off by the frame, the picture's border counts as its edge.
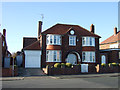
(108, 68)
(7, 72)
(75, 69)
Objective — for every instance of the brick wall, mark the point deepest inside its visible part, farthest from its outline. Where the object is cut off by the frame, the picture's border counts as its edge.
(76, 69)
(108, 69)
(7, 72)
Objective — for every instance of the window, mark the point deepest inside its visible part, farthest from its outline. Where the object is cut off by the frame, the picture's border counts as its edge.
(114, 46)
(3, 43)
(72, 40)
(53, 56)
(83, 56)
(88, 41)
(88, 56)
(53, 40)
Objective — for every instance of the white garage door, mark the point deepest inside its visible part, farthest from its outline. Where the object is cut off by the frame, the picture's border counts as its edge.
(32, 59)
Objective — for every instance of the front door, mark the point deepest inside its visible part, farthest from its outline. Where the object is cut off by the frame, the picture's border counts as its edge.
(103, 59)
(72, 59)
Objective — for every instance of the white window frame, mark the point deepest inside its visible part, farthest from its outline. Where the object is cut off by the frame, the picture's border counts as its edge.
(52, 39)
(87, 57)
(52, 55)
(73, 40)
(88, 41)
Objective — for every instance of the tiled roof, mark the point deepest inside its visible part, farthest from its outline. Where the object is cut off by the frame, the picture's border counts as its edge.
(33, 46)
(64, 28)
(112, 38)
(28, 40)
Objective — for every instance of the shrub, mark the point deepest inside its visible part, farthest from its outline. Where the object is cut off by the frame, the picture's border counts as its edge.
(115, 64)
(57, 65)
(63, 64)
(77, 64)
(68, 65)
(103, 64)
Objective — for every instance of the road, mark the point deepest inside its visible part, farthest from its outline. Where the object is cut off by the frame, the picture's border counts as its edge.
(94, 82)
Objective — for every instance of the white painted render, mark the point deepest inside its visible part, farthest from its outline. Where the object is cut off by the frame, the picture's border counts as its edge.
(32, 58)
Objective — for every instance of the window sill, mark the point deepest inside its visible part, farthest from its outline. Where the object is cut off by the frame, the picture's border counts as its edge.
(88, 46)
(72, 45)
(88, 62)
(53, 61)
(53, 44)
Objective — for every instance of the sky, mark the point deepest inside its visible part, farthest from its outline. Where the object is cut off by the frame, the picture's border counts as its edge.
(20, 19)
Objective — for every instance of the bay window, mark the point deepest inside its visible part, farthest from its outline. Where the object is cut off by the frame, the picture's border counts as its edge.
(53, 56)
(53, 39)
(88, 41)
(88, 56)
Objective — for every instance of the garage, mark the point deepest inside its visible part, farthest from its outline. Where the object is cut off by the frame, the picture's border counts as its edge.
(32, 58)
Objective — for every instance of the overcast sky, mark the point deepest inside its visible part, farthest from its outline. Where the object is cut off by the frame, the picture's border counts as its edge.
(21, 19)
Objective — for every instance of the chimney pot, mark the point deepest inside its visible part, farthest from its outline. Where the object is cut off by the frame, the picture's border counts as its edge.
(115, 31)
(92, 28)
(4, 32)
(39, 28)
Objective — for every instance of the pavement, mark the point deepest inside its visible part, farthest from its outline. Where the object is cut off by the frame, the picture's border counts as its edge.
(62, 76)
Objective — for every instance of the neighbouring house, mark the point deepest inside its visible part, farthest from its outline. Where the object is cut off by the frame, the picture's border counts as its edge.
(6, 55)
(62, 43)
(19, 58)
(110, 48)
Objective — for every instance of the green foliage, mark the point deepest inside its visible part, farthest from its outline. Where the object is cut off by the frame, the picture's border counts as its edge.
(57, 65)
(78, 64)
(68, 65)
(103, 64)
(115, 64)
(63, 64)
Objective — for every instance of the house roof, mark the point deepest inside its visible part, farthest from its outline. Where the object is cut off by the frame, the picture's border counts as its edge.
(28, 40)
(33, 46)
(64, 28)
(113, 38)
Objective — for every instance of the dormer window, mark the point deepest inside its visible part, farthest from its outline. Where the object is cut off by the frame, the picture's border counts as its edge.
(72, 40)
(53, 40)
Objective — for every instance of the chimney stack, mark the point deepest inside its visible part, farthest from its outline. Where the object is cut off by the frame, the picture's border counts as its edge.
(4, 32)
(39, 28)
(92, 28)
(115, 31)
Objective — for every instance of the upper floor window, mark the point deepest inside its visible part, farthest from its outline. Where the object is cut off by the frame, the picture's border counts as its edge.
(53, 40)
(72, 40)
(53, 56)
(88, 56)
(88, 41)
(114, 46)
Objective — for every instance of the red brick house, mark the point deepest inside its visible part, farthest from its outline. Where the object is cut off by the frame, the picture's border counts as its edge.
(5, 55)
(110, 48)
(62, 43)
